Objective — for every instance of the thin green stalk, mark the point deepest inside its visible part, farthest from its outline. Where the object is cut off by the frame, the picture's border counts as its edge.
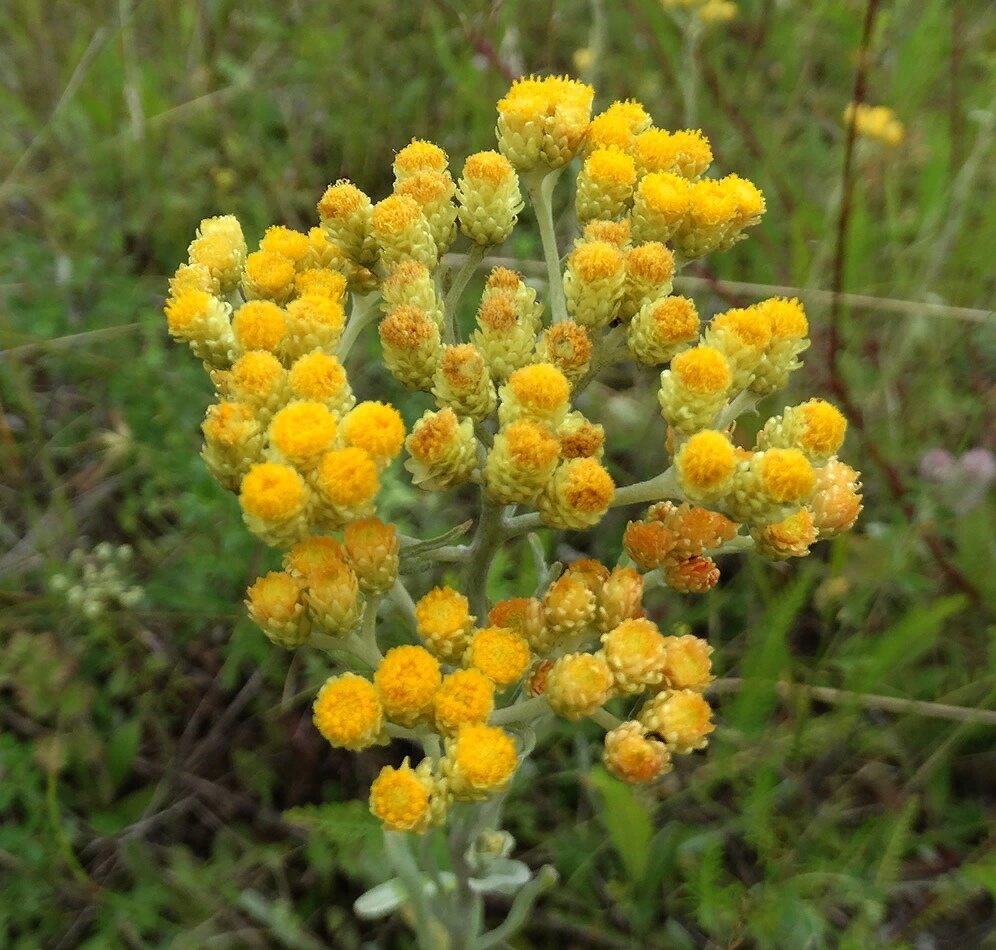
(398, 853)
(364, 312)
(524, 901)
(540, 186)
(452, 302)
(524, 711)
(466, 905)
(403, 601)
(605, 719)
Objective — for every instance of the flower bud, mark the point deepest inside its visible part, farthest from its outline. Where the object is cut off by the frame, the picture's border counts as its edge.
(694, 389)
(523, 615)
(286, 241)
(578, 684)
(462, 382)
(634, 756)
(403, 798)
(233, 441)
(577, 496)
(443, 451)
(682, 718)
(346, 482)
(686, 152)
(789, 337)
(568, 347)
(635, 653)
(433, 192)
(410, 285)
(314, 322)
(220, 247)
(315, 555)
(705, 466)
(346, 214)
(300, 433)
(836, 500)
(770, 485)
(593, 283)
(417, 157)
(619, 599)
(662, 329)
(489, 198)
(401, 231)
(410, 341)
(791, 537)
(258, 380)
(659, 208)
(688, 664)
(816, 428)
(372, 548)
(743, 336)
(503, 337)
(520, 463)
(618, 126)
(276, 604)
(580, 437)
(694, 575)
(605, 184)
(203, 321)
(334, 600)
(539, 392)
(268, 276)
(649, 272)
(568, 608)
(377, 428)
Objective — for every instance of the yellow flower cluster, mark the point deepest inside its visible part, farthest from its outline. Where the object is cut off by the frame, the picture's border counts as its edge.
(878, 123)
(504, 410)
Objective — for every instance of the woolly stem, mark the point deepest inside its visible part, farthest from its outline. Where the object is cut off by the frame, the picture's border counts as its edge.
(452, 301)
(540, 185)
(363, 313)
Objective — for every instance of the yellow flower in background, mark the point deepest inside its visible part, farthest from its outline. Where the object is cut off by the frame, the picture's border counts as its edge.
(878, 123)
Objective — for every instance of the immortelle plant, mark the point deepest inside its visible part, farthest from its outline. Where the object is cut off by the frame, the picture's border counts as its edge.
(470, 682)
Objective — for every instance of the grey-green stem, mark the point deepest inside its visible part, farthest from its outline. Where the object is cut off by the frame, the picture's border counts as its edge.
(540, 185)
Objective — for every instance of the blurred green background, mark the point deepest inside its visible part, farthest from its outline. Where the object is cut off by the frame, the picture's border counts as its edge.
(160, 781)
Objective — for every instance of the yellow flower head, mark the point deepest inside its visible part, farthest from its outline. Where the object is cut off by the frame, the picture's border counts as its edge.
(490, 167)
(269, 275)
(746, 325)
(274, 597)
(875, 122)
(588, 487)
(530, 445)
(792, 537)
(484, 758)
(400, 798)
(348, 712)
(256, 374)
(302, 431)
(503, 278)
(568, 346)
(620, 598)
(521, 614)
(341, 200)
(650, 263)
(541, 389)
(635, 653)
(580, 438)
(648, 544)
(313, 556)
(260, 325)
(681, 717)
(443, 620)
(406, 328)
(317, 376)
(823, 427)
(610, 167)
(407, 679)
(501, 655)
(675, 320)
(318, 310)
(419, 156)
(395, 214)
(271, 491)
(634, 756)
(426, 189)
(376, 427)
(596, 261)
(618, 125)
(462, 366)
(786, 318)
(229, 424)
(291, 244)
(466, 698)
(192, 277)
(786, 475)
(710, 205)
(706, 462)
(568, 604)
(433, 436)
(593, 574)
(688, 664)
(666, 194)
(498, 312)
(578, 684)
(686, 153)
(702, 369)
(319, 281)
(347, 477)
(372, 548)
(836, 501)
(185, 309)
(613, 232)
